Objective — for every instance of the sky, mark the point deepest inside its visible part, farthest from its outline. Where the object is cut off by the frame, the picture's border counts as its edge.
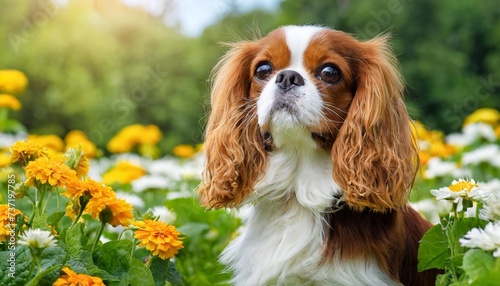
(193, 16)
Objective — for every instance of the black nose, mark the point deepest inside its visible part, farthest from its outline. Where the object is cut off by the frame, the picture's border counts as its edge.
(287, 79)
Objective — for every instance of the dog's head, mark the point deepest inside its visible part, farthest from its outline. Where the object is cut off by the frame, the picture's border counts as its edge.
(345, 93)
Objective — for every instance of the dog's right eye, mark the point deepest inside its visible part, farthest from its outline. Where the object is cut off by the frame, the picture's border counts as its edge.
(263, 70)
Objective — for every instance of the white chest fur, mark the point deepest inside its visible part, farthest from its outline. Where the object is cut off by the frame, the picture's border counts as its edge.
(282, 241)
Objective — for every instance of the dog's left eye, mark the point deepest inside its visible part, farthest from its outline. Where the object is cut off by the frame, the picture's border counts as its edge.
(329, 73)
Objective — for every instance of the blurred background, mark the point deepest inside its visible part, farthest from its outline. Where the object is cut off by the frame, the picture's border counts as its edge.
(99, 66)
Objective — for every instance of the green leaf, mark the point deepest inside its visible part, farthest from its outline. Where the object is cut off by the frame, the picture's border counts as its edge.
(140, 275)
(22, 264)
(492, 279)
(52, 256)
(54, 218)
(477, 263)
(114, 257)
(443, 279)
(460, 228)
(433, 251)
(37, 280)
(74, 239)
(193, 229)
(173, 275)
(93, 270)
(159, 270)
(40, 221)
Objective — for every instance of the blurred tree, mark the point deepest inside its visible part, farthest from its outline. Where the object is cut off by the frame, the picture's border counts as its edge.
(99, 66)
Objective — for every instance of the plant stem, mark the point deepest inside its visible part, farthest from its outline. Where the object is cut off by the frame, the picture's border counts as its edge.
(101, 229)
(48, 199)
(77, 218)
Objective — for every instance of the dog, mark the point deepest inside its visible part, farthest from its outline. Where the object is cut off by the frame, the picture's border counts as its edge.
(308, 129)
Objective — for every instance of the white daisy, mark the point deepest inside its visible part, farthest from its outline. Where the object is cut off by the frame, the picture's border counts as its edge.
(493, 186)
(7, 140)
(471, 133)
(436, 167)
(491, 208)
(458, 190)
(37, 238)
(486, 154)
(151, 182)
(132, 199)
(428, 208)
(487, 239)
(164, 214)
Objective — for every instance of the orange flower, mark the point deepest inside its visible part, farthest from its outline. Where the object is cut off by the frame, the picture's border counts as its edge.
(73, 279)
(102, 203)
(184, 151)
(112, 210)
(54, 172)
(72, 209)
(7, 218)
(23, 151)
(77, 161)
(159, 238)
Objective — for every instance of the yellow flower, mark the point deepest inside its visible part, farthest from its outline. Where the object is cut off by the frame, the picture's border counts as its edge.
(419, 130)
(159, 238)
(486, 115)
(123, 173)
(12, 81)
(7, 218)
(49, 141)
(24, 151)
(152, 135)
(70, 278)
(131, 136)
(9, 101)
(184, 151)
(54, 172)
(77, 138)
(4, 160)
(75, 189)
(431, 143)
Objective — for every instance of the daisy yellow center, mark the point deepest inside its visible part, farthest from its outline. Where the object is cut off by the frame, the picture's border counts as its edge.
(460, 186)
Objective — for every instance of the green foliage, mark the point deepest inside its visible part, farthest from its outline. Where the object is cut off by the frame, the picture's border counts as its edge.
(207, 234)
(433, 251)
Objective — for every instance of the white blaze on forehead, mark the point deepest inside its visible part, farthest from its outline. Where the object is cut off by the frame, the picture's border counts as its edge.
(297, 40)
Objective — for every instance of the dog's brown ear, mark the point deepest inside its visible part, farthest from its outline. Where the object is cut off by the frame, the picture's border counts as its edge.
(234, 152)
(374, 156)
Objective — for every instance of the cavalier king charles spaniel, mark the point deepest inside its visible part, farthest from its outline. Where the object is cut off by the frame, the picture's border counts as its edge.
(309, 131)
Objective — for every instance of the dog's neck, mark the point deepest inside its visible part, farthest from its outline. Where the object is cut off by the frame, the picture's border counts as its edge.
(297, 170)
